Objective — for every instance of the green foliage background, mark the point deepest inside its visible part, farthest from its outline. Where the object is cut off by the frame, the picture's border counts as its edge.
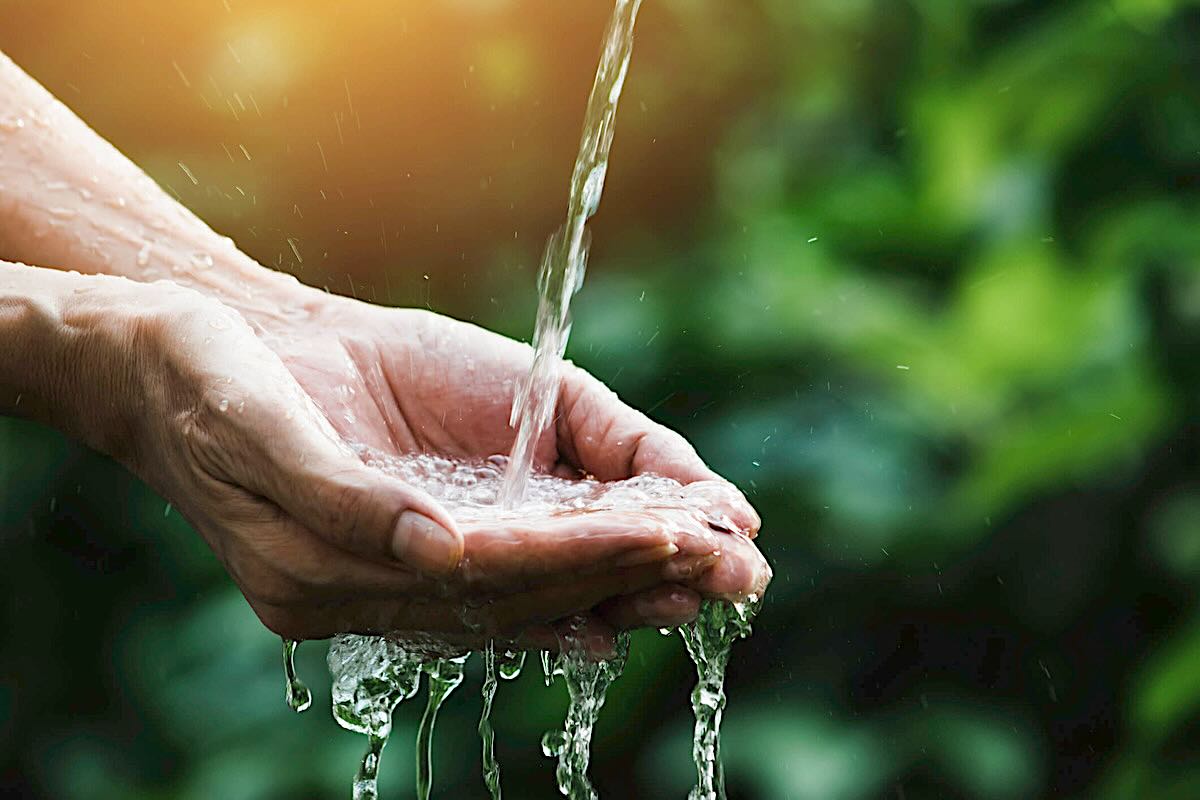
(921, 276)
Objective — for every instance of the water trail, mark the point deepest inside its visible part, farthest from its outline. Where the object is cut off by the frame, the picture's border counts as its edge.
(487, 735)
(445, 674)
(565, 259)
(587, 682)
(709, 640)
(299, 698)
(507, 665)
(371, 676)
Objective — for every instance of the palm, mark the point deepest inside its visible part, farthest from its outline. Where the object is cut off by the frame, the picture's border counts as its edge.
(402, 381)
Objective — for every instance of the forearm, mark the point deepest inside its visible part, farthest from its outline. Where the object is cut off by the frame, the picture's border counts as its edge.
(68, 197)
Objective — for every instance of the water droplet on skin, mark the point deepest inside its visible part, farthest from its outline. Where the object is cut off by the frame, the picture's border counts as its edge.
(12, 124)
(143, 256)
(223, 406)
(241, 409)
(202, 260)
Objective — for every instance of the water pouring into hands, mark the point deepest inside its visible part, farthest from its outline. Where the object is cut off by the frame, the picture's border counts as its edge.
(238, 393)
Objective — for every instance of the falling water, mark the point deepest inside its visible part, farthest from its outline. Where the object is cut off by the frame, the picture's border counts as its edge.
(565, 259)
(507, 665)
(445, 674)
(299, 698)
(372, 675)
(487, 734)
(708, 642)
(587, 680)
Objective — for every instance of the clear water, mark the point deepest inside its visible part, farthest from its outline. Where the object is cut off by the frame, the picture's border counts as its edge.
(587, 682)
(372, 675)
(298, 697)
(487, 734)
(507, 665)
(445, 674)
(709, 640)
(565, 259)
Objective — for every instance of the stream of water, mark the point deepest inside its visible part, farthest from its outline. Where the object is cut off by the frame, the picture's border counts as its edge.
(372, 675)
(708, 642)
(564, 261)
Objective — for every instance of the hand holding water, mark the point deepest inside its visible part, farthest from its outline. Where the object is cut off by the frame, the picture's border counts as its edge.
(237, 400)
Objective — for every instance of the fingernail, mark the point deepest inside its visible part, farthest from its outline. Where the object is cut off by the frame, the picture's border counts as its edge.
(424, 544)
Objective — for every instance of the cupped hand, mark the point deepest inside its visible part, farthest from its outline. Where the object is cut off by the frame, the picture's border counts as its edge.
(318, 542)
(406, 380)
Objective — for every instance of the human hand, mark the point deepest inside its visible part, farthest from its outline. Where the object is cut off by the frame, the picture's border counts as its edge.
(178, 388)
(404, 380)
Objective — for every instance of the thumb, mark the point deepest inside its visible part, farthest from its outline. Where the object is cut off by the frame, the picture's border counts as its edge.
(325, 487)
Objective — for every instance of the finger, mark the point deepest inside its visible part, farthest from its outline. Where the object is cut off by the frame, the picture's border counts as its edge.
(451, 622)
(666, 606)
(604, 436)
(515, 613)
(724, 506)
(315, 478)
(613, 441)
(740, 571)
(504, 554)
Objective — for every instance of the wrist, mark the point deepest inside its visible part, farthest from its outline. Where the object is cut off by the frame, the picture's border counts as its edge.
(56, 360)
(79, 352)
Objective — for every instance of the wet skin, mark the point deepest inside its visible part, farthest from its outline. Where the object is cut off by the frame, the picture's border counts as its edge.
(235, 392)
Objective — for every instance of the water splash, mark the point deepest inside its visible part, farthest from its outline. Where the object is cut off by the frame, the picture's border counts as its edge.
(709, 640)
(299, 698)
(445, 674)
(587, 682)
(565, 259)
(371, 676)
